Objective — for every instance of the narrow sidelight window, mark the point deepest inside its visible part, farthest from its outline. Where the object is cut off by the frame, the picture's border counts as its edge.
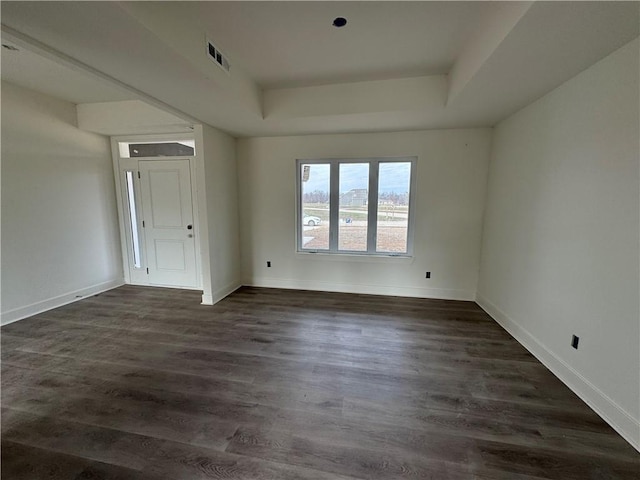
(133, 219)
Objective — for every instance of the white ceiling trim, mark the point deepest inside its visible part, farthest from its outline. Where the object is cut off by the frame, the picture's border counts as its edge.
(518, 53)
(397, 95)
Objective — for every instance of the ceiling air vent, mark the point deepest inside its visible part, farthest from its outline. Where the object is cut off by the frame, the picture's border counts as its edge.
(217, 56)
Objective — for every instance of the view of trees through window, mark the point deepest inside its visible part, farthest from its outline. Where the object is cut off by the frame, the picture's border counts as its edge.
(389, 200)
(394, 181)
(315, 206)
(354, 206)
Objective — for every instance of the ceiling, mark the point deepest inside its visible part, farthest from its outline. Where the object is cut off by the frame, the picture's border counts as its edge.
(285, 44)
(31, 70)
(394, 66)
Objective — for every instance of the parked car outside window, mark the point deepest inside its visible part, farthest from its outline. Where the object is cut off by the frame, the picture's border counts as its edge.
(311, 221)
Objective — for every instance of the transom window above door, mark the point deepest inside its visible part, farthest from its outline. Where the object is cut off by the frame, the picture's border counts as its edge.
(176, 148)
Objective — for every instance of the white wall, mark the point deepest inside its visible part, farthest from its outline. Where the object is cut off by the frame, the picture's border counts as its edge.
(221, 220)
(451, 180)
(560, 247)
(59, 222)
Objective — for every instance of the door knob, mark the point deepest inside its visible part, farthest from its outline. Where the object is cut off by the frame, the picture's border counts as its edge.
(189, 227)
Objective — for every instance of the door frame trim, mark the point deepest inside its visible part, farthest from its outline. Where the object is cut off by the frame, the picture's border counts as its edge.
(198, 199)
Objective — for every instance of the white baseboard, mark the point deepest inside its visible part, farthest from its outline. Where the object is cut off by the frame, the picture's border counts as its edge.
(42, 306)
(621, 421)
(207, 299)
(220, 293)
(440, 293)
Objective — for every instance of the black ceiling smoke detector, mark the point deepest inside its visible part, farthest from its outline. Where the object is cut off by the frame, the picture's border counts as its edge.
(339, 22)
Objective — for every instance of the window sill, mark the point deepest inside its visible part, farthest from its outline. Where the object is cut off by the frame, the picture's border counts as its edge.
(351, 257)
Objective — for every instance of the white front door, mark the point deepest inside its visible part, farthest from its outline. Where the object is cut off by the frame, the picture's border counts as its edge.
(168, 222)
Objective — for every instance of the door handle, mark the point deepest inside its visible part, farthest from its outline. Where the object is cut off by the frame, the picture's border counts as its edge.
(189, 227)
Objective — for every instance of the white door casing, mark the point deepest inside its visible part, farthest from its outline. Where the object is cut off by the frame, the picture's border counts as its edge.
(167, 214)
(128, 186)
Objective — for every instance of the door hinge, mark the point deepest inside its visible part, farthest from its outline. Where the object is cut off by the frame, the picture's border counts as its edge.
(138, 174)
(142, 223)
(147, 270)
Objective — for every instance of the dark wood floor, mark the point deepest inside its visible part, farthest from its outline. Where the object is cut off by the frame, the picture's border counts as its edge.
(142, 383)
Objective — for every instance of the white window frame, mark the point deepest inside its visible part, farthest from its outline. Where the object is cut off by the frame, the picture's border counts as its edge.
(372, 215)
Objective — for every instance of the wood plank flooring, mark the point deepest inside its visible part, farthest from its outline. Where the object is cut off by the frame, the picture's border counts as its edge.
(144, 383)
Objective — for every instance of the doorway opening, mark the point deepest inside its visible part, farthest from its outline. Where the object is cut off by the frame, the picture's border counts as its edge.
(155, 186)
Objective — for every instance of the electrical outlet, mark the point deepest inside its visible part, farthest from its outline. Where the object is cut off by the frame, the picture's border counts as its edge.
(268, 264)
(574, 342)
(428, 275)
